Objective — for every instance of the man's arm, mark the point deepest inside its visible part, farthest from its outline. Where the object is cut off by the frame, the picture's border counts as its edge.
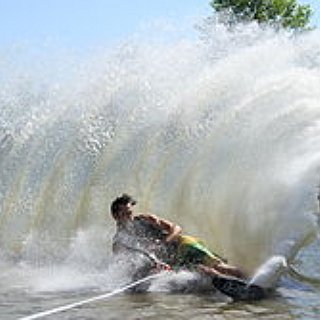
(118, 247)
(172, 229)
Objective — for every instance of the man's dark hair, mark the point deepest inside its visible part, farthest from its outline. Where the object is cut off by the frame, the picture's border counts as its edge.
(122, 200)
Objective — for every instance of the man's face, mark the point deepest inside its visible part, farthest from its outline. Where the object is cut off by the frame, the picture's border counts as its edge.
(125, 211)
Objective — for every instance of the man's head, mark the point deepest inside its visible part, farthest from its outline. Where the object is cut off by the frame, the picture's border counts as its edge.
(122, 205)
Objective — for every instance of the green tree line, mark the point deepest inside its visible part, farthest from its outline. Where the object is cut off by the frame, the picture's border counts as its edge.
(288, 14)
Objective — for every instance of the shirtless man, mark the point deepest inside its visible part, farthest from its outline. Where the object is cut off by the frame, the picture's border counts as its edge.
(162, 238)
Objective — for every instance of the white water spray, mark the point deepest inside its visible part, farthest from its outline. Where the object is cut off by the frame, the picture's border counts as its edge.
(223, 138)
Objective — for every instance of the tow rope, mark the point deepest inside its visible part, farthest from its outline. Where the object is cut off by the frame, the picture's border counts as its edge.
(93, 299)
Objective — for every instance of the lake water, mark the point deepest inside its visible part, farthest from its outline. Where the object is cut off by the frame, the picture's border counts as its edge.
(292, 300)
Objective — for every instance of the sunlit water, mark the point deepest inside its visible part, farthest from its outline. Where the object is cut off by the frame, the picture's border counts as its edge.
(221, 135)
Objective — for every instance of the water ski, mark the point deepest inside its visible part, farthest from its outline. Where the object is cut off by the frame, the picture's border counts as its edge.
(238, 289)
(262, 282)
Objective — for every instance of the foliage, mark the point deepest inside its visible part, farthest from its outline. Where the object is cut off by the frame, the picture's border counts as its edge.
(280, 13)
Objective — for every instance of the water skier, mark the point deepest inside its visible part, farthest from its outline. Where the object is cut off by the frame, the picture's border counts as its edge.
(164, 239)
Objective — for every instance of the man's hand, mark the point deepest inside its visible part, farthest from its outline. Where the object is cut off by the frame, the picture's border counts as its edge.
(162, 266)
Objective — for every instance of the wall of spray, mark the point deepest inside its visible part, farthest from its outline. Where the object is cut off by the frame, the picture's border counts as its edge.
(221, 136)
